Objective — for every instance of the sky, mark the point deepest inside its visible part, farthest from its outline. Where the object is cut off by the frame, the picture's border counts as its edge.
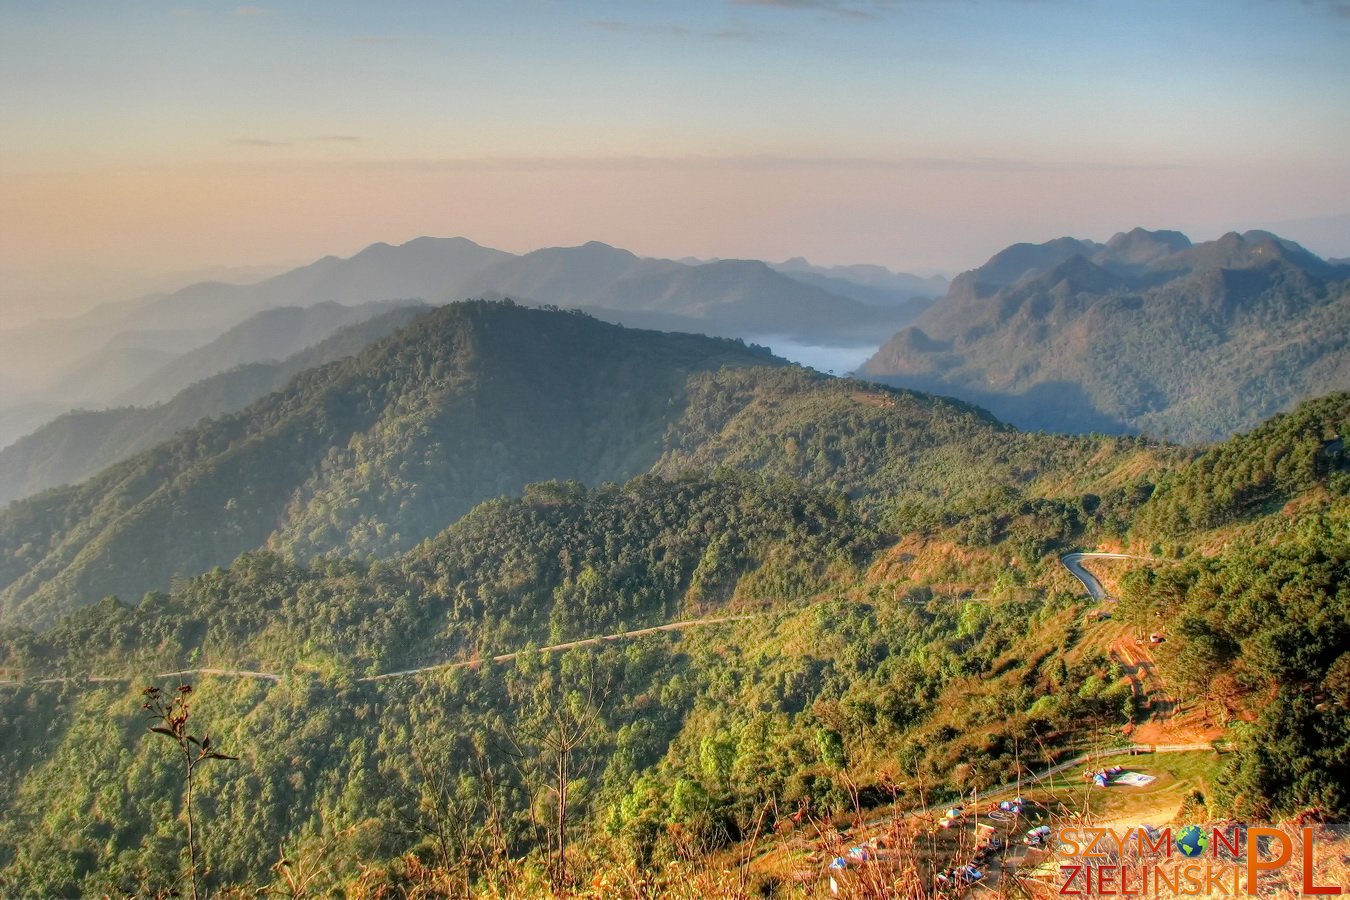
(143, 141)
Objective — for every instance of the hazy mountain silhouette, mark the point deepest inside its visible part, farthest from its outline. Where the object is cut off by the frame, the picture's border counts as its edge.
(867, 283)
(427, 268)
(732, 298)
(109, 354)
(268, 336)
(78, 444)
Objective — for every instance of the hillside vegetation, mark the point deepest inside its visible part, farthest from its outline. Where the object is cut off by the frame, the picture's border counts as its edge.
(374, 453)
(869, 615)
(1144, 333)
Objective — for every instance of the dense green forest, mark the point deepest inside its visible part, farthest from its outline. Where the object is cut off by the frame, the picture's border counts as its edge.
(868, 605)
(720, 719)
(372, 454)
(1146, 333)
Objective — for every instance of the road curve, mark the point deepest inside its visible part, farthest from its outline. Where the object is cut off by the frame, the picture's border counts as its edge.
(1073, 562)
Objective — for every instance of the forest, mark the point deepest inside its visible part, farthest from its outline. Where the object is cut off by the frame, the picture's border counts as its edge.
(865, 603)
(843, 670)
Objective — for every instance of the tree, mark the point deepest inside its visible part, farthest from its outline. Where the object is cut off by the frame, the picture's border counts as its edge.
(557, 717)
(172, 716)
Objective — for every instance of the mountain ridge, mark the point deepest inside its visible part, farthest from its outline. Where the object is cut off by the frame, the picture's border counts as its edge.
(80, 443)
(1146, 332)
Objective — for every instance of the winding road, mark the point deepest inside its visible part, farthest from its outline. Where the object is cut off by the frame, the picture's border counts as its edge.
(1073, 562)
(570, 645)
(275, 677)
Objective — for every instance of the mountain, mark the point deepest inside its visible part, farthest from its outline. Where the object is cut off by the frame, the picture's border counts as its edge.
(20, 417)
(76, 445)
(565, 276)
(839, 583)
(104, 374)
(812, 657)
(371, 454)
(109, 355)
(426, 268)
(1147, 332)
(865, 283)
(730, 298)
(268, 336)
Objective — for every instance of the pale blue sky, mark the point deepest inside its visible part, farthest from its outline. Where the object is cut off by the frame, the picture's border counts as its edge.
(913, 133)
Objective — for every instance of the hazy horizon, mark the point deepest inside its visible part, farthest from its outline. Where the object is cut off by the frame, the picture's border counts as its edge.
(154, 138)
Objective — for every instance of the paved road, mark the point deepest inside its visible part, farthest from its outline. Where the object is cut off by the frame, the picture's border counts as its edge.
(1073, 562)
(121, 679)
(505, 657)
(570, 645)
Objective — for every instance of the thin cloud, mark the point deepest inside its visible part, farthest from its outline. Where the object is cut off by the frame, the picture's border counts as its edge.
(1338, 8)
(848, 9)
(734, 31)
(291, 142)
(737, 33)
(837, 7)
(256, 142)
(746, 163)
(251, 11)
(617, 26)
(789, 4)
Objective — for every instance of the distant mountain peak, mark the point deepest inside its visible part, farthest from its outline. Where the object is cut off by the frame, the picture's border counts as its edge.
(1145, 332)
(1015, 262)
(599, 248)
(1139, 246)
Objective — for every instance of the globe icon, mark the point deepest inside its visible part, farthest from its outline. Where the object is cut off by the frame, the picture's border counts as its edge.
(1192, 841)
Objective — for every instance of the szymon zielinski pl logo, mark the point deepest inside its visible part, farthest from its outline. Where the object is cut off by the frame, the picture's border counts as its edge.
(1208, 860)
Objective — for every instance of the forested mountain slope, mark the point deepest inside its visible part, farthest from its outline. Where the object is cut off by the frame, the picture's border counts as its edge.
(856, 681)
(366, 455)
(372, 454)
(1145, 333)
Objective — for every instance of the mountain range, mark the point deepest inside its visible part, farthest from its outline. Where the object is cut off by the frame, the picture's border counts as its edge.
(1147, 332)
(107, 356)
(839, 583)
(374, 452)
